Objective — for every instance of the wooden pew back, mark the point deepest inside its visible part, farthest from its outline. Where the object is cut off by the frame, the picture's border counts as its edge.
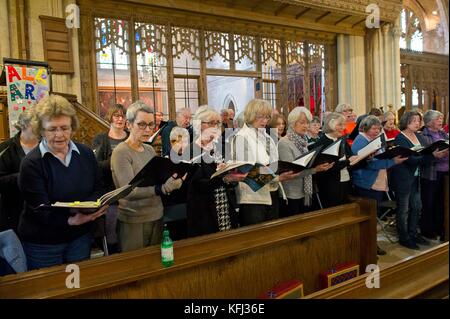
(241, 263)
(421, 276)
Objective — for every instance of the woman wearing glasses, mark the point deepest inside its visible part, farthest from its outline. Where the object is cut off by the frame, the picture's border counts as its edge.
(140, 213)
(57, 170)
(103, 145)
(209, 205)
(253, 144)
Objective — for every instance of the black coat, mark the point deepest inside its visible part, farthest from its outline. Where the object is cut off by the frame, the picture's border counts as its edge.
(11, 202)
(101, 146)
(201, 207)
(332, 191)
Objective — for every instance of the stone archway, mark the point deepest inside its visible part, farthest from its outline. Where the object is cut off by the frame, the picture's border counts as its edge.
(229, 102)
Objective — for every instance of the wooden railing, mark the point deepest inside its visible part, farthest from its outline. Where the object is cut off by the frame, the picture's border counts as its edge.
(241, 263)
(421, 276)
(90, 123)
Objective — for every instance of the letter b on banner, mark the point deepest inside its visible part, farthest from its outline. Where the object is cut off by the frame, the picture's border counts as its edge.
(73, 280)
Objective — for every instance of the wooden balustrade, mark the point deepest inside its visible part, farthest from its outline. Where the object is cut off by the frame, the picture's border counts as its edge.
(90, 123)
(240, 263)
(421, 276)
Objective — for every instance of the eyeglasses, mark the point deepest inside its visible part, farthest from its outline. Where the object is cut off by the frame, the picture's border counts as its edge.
(54, 130)
(118, 116)
(212, 123)
(348, 110)
(263, 117)
(143, 125)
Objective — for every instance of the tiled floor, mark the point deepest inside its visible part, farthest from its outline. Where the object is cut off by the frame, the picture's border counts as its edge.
(396, 252)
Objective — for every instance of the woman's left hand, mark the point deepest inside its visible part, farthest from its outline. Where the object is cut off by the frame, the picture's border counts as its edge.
(286, 176)
(80, 218)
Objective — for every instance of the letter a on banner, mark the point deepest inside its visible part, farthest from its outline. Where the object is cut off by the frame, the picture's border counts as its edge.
(26, 85)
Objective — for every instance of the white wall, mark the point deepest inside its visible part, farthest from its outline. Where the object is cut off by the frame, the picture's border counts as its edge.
(219, 88)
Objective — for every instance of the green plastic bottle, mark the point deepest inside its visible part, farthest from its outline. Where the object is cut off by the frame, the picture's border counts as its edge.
(166, 249)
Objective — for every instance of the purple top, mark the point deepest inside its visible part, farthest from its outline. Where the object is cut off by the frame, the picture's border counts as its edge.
(442, 164)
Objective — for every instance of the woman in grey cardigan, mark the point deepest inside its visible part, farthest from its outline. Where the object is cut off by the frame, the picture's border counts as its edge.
(300, 189)
(140, 213)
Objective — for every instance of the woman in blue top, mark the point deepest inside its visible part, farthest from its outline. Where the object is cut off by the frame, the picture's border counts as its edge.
(371, 179)
(57, 170)
(405, 181)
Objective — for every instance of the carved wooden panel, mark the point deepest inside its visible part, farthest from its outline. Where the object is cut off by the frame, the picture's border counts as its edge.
(111, 31)
(271, 49)
(185, 39)
(244, 46)
(217, 43)
(295, 53)
(151, 38)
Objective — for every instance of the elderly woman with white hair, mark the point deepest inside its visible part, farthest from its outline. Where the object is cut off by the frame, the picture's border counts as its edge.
(252, 144)
(300, 189)
(347, 111)
(209, 201)
(12, 152)
(432, 179)
(140, 213)
(334, 184)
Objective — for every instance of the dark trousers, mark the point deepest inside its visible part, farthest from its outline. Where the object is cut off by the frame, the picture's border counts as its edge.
(409, 207)
(250, 214)
(373, 194)
(292, 207)
(334, 195)
(432, 195)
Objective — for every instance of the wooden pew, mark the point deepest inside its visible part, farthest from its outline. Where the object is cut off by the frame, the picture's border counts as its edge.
(421, 276)
(241, 263)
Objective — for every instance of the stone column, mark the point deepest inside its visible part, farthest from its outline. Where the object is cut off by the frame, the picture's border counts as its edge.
(396, 73)
(388, 65)
(351, 72)
(5, 49)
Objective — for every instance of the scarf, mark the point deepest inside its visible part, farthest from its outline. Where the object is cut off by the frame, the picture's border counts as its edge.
(301, 143)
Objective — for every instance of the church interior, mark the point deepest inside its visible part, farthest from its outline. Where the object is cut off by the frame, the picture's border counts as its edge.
(113, 85)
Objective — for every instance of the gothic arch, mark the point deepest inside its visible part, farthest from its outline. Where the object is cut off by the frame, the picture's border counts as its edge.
(230, 102)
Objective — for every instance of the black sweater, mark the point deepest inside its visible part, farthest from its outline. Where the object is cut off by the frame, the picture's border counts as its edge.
(11, 155)
(45, 180)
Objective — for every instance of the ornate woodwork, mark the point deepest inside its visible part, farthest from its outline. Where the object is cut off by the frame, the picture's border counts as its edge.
(426, 72)
(202, 36)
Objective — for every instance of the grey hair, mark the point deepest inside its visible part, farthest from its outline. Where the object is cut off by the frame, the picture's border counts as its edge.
(431, 115)
(407, 118)
(342, 107)
(315, 119)
(223, 111)
(183, 111)
(203, 113)
(134, 108)
(294, 115)
(24, 120)
(178, 132)
(387, 113)
(368, 122)
(331, 120)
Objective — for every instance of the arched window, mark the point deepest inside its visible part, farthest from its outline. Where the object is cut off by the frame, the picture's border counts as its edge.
(412, 37)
